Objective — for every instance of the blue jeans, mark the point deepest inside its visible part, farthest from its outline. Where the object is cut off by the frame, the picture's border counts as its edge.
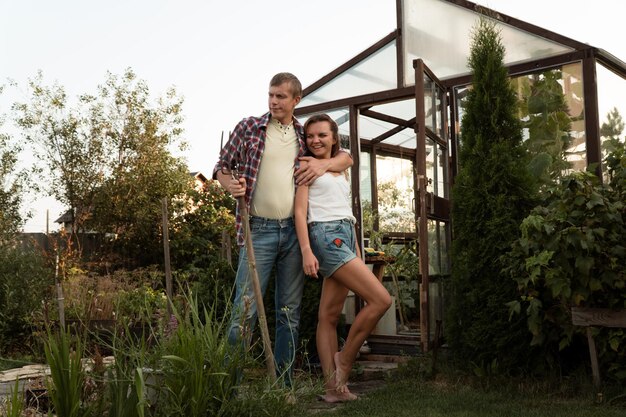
(275, 246)
(333, 243)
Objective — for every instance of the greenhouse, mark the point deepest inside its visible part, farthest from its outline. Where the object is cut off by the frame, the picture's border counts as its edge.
(399, 104)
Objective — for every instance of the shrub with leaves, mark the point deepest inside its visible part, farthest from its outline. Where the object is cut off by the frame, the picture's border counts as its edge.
(572, 252)
(24, 284)
(199, 243)
(205, 215)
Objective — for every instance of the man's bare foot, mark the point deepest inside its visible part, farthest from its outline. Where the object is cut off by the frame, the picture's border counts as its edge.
(341, 375)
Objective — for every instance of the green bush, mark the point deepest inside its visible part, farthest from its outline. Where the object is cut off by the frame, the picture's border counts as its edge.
(196, 238)
(213, 286)
(25, 281)
(572, 252)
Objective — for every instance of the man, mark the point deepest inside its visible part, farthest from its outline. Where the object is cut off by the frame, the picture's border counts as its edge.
(269, 151)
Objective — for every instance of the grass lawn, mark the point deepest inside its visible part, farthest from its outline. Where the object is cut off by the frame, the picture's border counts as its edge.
(440, 397)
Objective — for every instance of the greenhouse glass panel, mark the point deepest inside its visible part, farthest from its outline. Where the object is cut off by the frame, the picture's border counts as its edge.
(438, 248)
(395, 194)
(373, 74)
(371, 128)
(611, 108)
(445, 47)
(551, 109)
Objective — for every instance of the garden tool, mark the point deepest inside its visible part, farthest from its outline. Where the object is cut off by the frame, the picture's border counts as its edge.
(233, 171)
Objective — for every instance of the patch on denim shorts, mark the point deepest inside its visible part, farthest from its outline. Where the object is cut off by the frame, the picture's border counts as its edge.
(338, 242)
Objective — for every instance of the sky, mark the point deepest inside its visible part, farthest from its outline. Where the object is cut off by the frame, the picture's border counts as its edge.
(220, 55)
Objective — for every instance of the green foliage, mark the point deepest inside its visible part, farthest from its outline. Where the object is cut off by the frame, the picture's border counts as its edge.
(615, 160)
(11, 187)
(572, 252)
(613, 127)
(492, 193)
(204, 216)
(392, 216)
(200, 372)
(24, 283)
(185, 367)
(12, 184)
(126, 395)
(197, 377)
(213, 286)
(66, 374)
(203, 232)
(404, 271)
(67, 142)
(130, 297)
(130, 386)
(15, 405)
(109, 157)
(143, 170)
(138, 306)
(545, 113)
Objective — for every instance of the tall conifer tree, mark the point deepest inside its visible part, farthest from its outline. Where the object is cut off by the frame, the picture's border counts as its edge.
(492, 193)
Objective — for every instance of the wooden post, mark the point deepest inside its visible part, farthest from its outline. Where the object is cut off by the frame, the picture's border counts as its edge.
(422, 214)
(60, 298)
(593, 354)
(225, 251)
(166, 260)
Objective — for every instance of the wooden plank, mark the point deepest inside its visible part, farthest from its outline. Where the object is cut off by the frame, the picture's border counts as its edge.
(593, 355)
(604, 317)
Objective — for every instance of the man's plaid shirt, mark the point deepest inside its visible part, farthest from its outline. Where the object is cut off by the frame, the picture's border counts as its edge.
(245, 147)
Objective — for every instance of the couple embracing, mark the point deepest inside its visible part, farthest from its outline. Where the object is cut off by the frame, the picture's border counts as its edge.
(293, 181)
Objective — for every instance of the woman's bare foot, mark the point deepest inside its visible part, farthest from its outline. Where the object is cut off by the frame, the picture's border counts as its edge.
(341, 375)
(334, 396)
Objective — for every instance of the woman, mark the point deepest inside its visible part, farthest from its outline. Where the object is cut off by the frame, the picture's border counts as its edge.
(325, 229)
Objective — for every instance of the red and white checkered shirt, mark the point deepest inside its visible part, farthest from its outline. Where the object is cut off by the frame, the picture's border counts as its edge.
(245, 148)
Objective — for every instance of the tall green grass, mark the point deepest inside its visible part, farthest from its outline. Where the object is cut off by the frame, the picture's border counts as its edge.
(15, 404)
(187, 370)
(67, 375)
(199, 369)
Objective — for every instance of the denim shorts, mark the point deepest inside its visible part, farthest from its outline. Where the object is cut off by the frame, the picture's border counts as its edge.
(333, 244)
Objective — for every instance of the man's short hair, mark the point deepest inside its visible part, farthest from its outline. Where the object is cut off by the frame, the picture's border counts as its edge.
(287, 77)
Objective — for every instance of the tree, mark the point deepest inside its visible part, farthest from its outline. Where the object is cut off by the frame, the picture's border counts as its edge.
(23, 274)
(492, 193)
(12, 183)
(142, 169)
(611, 131)
(68, 144)
(110, 156)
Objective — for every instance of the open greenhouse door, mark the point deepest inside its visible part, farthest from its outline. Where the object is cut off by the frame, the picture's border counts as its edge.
(432, 196)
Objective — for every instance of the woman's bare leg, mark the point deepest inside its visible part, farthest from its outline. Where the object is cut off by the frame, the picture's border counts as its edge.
(331, 303)
(356, 276)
